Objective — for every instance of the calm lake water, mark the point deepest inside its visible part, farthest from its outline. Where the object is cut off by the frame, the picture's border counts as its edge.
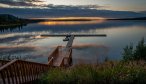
(26, 43)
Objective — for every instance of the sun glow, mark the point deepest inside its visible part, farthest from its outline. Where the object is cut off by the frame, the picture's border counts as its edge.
(72, 20)
(89, 18)
(69, 22)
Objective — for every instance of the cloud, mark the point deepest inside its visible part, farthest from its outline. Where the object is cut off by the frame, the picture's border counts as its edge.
(73, 6)
(68, 12)
(42, 4)
(20, 3)
(37, 9)
(16, 4)
(27, 1)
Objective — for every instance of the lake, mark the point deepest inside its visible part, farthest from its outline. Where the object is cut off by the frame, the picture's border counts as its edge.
(25, 42)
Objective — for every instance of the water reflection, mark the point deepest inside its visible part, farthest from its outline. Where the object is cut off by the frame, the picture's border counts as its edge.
(119, 34)
(25, 52)
(11, 28)
(82, 53)
(77, 26)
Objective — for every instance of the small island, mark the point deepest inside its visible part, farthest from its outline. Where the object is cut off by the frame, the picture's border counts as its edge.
(10, 20)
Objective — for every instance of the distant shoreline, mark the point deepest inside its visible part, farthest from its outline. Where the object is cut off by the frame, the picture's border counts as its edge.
(132, 19)
(10, 20)
(139, 18)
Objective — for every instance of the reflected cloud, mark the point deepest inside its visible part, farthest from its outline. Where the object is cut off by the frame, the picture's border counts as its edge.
(19, 38)
(38, 37)
(19, 49)
(117, 31)
(88, 45)
(79, 26)
(16, 39)
(23, 52)
(89, 53)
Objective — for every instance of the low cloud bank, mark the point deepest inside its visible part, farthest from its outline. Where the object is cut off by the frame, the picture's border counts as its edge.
(68, 12)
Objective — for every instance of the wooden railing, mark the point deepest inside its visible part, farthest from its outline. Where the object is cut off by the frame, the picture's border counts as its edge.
(67, 60)
(2, 62)
(50, 62)
(54, 53)
(18, 71)
(70, 57)
(63, 62)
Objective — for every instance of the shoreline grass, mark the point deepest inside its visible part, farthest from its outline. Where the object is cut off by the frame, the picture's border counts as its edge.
(105, 73)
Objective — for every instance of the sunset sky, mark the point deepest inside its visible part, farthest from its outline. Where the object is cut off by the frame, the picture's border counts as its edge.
(87, 5)
(134, 5)
(130, 5)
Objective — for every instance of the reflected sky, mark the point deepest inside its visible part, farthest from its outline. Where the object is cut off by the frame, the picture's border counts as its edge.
(80, 28)
(85, 49)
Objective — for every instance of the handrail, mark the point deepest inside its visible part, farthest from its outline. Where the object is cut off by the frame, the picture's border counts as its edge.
(19, 71)
(67, 58)
(50, 61)
(8, 64)
(2, 62)
(54, 53)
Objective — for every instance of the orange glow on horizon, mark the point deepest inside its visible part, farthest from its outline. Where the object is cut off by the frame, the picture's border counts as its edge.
(72, 20)
(69, 22)
(88, 18)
